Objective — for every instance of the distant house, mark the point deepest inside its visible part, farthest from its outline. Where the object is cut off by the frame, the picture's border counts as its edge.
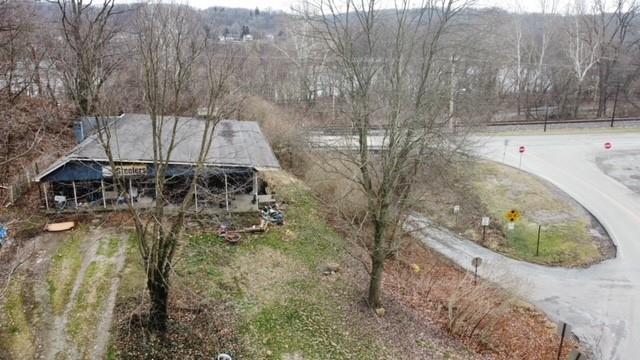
(247, 37)
(84, 180)
(226, 38)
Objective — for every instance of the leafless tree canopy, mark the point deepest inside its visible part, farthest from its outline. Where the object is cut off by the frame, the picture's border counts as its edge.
(390, 66)
(88, 31)
(173, 50)
(407, 81)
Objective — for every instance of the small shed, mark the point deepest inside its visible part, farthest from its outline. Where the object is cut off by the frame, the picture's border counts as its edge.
(239, 151)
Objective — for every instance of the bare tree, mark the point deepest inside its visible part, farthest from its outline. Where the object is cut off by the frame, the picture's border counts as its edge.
(87, 30)
(172, 46)
(389, 61)
(307, 55)
(611, 25)
(582, 50)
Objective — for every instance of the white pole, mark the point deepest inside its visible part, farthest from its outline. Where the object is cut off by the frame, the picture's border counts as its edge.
(255, 187)
(333, 93)
(46, 199)
(226, 191)
(255, 184)
(195, 193)
(520, 164)
(75, 194)
(104, 198)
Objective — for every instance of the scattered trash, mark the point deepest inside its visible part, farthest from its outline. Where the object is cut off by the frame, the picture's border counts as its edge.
(331, 268)
(231, 237)
(253, 229)
(63, 226)
(268, 215)
(381, 312)
(224, 357)
(271, 214)
(60, 201)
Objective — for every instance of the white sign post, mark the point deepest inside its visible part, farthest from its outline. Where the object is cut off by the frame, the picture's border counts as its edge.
(456, 210)
(485, 223)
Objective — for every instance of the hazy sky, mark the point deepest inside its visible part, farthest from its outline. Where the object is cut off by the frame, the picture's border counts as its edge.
(526, 5)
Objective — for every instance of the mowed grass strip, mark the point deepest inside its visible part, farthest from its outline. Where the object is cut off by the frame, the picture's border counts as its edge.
(87, 312)
(565, 233)
(64, 268)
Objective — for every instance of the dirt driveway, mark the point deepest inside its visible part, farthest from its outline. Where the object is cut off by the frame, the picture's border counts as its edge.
(57, 294)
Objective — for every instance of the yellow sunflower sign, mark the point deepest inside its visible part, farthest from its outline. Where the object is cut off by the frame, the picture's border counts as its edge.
(512, 215)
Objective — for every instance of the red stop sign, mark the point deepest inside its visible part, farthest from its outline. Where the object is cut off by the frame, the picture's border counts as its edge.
(607, 145)
(521, 149)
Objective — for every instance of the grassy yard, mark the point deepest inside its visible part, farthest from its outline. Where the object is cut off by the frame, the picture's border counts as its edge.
(284, 307)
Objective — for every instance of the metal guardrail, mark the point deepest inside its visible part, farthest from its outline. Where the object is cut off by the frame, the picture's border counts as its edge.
(334, 130)
(561, 122)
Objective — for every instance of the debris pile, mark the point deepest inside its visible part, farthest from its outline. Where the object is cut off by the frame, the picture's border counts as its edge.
(268, 215)
(272, 215)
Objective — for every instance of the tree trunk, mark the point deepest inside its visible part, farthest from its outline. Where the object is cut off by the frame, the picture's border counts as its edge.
(375, 282)
(577, 103)
(602, 90)
(159, 294)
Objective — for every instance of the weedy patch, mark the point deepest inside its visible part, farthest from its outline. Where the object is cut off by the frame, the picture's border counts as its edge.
(109, 248)
(16, 335)
(309, 329)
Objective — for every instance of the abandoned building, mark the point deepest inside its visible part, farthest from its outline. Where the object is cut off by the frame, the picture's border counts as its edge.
(83, 180)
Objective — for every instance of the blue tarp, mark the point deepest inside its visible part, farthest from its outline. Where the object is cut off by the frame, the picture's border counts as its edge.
(4, 234)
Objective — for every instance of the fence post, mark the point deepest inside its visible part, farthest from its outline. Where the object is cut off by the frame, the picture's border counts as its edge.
(46, 198)
(10, 194)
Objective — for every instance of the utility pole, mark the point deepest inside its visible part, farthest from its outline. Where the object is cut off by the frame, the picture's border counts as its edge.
(538, 245)
(615, 104)
(452, 93)
(546, 117)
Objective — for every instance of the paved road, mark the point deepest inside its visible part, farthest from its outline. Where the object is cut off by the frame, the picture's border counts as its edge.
(602, 303)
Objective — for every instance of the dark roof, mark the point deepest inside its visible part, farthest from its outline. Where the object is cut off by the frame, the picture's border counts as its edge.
(235, 143)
